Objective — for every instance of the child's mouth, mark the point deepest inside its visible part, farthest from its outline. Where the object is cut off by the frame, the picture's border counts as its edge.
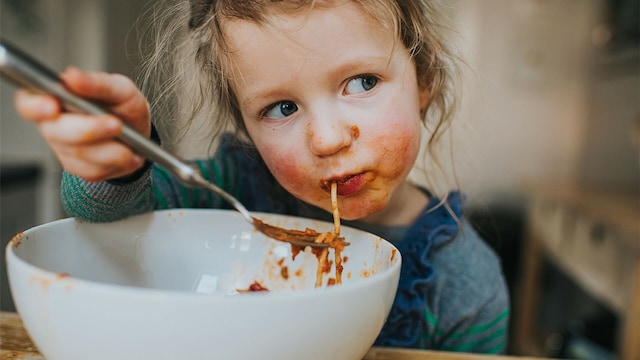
(346, 186)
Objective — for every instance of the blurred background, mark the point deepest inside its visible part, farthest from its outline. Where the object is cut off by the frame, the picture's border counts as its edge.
(546, 146)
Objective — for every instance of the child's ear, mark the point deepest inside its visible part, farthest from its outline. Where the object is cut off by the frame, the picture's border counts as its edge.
(424, 96)
(424, 90)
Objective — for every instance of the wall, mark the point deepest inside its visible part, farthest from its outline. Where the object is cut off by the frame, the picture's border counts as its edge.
(611, 155)
(526, 94)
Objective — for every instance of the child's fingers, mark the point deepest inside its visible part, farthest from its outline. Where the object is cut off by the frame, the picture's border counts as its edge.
(79, 129)
(116, 92)
(100, 161)
(104, 87)
(36, 107)
(86, 146)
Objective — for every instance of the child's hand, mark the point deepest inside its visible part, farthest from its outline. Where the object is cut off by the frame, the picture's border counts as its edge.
(85, 144)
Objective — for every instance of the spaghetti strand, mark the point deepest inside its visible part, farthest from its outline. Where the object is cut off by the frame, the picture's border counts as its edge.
(336, 231)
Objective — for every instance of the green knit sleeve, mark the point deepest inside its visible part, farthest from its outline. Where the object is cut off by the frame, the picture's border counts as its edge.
(106, 201)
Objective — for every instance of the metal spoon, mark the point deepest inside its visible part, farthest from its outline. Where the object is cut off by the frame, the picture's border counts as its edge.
(26, 72)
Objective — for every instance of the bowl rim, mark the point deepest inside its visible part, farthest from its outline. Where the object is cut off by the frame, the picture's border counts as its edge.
(12, 260)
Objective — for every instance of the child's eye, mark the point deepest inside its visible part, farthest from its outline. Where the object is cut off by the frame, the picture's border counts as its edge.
(360, 84)
(280, 110)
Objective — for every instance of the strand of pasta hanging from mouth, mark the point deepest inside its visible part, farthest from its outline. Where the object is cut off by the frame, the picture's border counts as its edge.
(334, 241)
(336, 230)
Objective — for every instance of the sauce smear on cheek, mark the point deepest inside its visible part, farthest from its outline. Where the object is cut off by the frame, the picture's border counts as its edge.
(355, 130)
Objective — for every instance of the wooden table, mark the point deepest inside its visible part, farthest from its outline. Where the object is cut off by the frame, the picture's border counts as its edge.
(16, 344)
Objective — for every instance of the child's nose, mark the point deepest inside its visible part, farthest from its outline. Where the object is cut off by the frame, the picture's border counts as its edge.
(328, 135)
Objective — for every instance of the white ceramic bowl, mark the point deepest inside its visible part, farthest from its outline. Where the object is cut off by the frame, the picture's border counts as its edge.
(165, 285)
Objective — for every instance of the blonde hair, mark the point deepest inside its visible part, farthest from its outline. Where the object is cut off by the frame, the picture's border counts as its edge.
(187, 73)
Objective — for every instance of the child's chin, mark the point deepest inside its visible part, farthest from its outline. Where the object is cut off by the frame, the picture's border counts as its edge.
(360, 214)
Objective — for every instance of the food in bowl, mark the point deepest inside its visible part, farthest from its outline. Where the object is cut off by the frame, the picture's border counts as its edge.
(332, 239)
(172, 285)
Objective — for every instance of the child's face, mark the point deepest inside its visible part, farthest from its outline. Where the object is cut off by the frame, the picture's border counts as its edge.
(329, 95)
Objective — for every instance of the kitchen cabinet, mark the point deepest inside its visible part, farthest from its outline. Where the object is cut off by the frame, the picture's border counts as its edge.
(593, 236)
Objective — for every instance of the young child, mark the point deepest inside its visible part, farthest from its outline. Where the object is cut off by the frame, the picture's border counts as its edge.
(317, 92)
